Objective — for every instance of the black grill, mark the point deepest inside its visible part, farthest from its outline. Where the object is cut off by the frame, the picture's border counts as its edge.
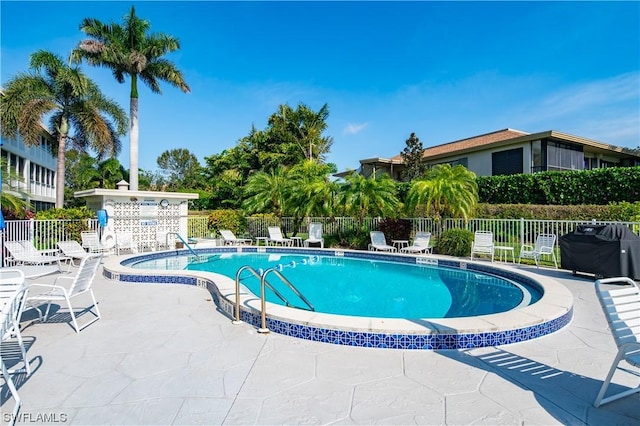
(604, 250)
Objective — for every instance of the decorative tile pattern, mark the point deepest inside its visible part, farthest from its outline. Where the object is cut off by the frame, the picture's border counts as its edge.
(427, 340)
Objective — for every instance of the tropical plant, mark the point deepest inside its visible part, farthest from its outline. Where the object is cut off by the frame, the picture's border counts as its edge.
(110, 172)
(76, 109)
(445, 191)
(128, 50)
(267, 192)
(311, 192)
(374, 196)
(300, 130)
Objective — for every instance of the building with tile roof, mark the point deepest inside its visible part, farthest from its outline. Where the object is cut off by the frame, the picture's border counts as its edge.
(509, 151)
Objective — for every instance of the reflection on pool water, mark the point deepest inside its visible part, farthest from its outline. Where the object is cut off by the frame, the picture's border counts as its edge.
(365, 287)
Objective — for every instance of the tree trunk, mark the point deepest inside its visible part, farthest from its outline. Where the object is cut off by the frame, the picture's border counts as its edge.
(133, 145)
(62, 141)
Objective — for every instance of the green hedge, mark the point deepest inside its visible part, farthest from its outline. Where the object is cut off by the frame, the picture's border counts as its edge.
(622, 212)
(599, 186)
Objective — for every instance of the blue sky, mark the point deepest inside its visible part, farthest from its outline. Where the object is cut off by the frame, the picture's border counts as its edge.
(444, 70)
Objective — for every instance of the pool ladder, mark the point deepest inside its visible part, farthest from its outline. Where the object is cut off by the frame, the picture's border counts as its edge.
(197, 258)
(263, 302)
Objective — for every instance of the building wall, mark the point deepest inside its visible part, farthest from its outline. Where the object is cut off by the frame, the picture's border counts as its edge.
(37, 167)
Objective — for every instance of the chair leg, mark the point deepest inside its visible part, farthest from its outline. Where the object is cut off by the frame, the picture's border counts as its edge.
(73, 316)
(600, 400)
(23, 351)
(14, 392)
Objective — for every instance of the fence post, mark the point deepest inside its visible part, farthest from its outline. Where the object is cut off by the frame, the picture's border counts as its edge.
(521, 230)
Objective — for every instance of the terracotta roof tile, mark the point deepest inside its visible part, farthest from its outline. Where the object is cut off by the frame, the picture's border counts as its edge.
(475, 141)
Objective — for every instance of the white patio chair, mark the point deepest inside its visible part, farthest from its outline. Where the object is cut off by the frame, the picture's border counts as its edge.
(124, 242)
(544, 246)
(91, 242)
(165, 239)
(13, 290)
(80, 284)
(621, 306)
(483, 244)
(8, 329)
(315, 235)
(379, 242)
(230, 239)
(25, 253)
(420, 244)
(276, 237)
(73, 250)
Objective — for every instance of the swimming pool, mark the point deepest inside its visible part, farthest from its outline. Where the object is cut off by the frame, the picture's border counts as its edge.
(553, 311)
(364, 287)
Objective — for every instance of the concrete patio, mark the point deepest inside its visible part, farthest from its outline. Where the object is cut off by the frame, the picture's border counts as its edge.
(163, 354)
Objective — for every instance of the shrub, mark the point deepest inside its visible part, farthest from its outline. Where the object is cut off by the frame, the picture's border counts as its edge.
(74, 223)
(455, 242)
(233, 220)
(395, 229)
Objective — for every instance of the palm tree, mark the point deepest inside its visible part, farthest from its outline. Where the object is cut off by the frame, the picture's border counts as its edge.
(301, 128)
(311, 192)
(71, 101)
(445, 190)
(268, 192)
(127, 50)
(374, 196)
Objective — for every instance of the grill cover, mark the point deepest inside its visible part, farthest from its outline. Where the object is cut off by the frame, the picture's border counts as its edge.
(605, 250)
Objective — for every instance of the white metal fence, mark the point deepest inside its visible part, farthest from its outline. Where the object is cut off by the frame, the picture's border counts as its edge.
(507, 232)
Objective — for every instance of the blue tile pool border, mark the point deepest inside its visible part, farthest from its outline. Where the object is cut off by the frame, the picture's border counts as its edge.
(429, 339)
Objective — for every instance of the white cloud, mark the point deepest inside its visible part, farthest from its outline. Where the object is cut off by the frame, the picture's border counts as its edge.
(611, 91)
(353, 129)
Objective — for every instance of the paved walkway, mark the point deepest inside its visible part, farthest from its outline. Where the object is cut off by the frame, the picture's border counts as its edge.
(163, 354)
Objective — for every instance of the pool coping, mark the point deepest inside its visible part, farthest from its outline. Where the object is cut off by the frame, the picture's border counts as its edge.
(551, 313)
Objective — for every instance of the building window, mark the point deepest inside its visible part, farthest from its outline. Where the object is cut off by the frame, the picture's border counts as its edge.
(537, 160)
(460, 161)
(507, 162)
(564, 156)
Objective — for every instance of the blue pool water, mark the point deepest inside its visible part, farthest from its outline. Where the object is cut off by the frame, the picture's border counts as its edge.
(370, 288)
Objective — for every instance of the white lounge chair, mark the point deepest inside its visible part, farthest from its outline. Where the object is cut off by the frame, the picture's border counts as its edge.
(379, 242)
(91, 242)
(124, 242)
(276, 237)
(420, 244)
(165, 239)
(483, 244)
(73, 250)
(80, 284)
(230, 239)
(315, 235)
(25, 253)
(544, 246)
(621, 306)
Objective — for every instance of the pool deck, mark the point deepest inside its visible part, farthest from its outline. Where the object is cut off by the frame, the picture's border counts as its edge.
(163, 354)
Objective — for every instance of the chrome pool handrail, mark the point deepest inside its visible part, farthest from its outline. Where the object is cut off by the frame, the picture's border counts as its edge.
(263, 300)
